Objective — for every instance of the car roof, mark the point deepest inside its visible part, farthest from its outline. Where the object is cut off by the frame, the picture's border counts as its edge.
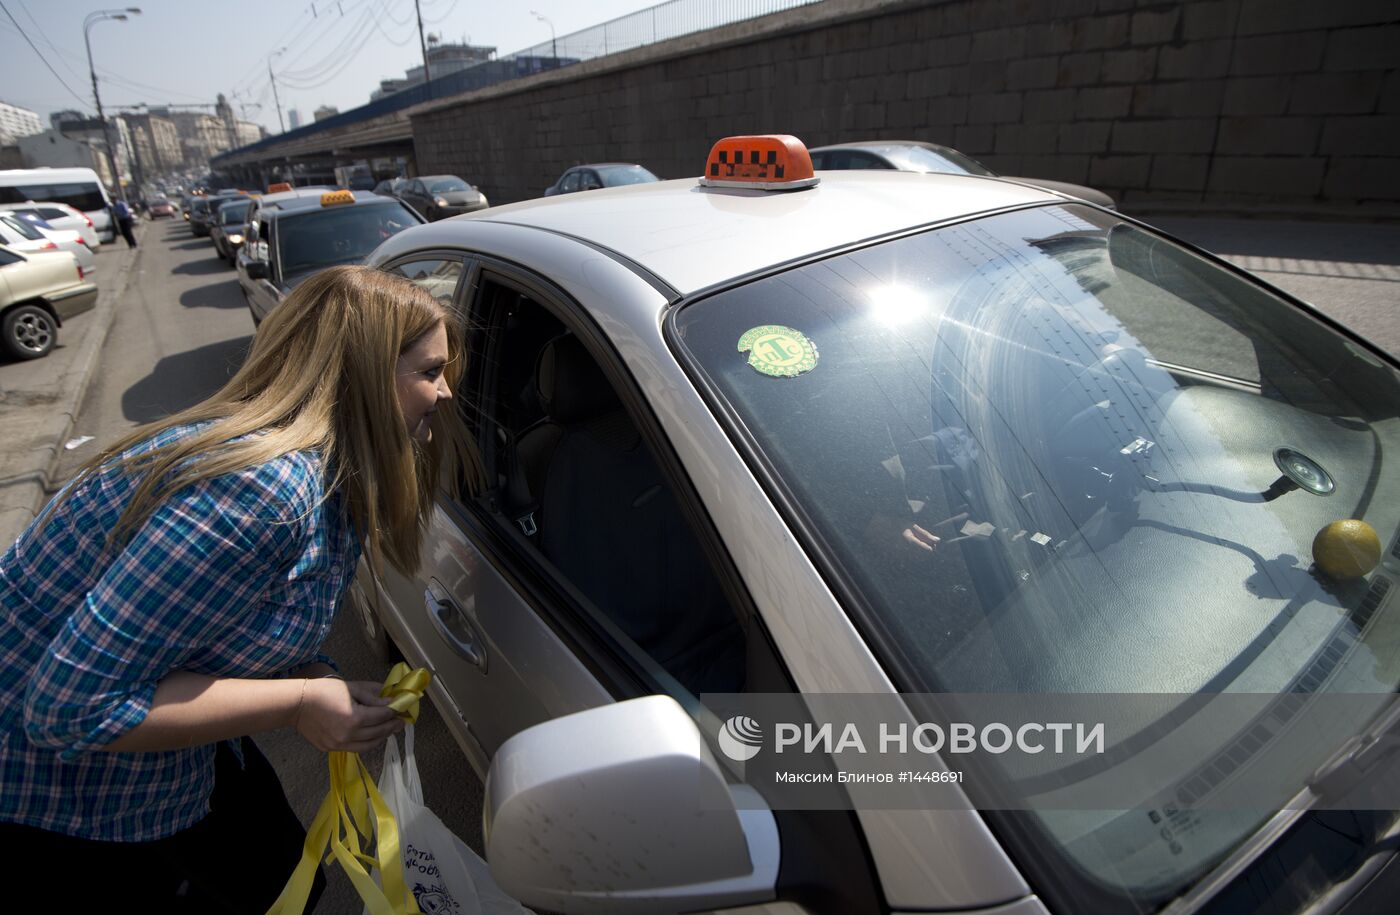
(877, 144)
(305, 203)
(693, 238)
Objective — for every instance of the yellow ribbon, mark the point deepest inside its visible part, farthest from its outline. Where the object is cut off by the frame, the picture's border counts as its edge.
(344, 818)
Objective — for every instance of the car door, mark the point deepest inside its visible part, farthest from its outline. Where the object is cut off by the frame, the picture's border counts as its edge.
(7, 260)
(416, 195)
(262, 292)
(575, 576)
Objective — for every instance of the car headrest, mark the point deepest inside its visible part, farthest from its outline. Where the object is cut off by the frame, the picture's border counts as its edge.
(572, 388)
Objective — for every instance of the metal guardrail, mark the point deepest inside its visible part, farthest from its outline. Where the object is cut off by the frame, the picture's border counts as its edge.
(658, 23)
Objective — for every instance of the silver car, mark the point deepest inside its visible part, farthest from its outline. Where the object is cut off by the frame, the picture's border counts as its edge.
(918, 156)
(904, 437)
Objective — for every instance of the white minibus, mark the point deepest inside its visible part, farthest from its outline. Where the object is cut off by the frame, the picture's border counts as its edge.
(77, 187)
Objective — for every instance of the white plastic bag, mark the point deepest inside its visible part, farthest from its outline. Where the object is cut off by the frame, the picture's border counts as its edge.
(444, 874)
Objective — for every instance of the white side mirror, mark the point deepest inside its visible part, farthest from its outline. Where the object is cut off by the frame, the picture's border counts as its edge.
(622, 809)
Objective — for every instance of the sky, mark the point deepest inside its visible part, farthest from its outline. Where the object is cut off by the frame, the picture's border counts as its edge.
(185, 52)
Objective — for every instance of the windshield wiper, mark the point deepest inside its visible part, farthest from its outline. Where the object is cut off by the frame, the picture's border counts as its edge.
(1358, 757)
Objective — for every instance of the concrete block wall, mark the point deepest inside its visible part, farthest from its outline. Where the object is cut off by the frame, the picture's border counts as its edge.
(1219, 102)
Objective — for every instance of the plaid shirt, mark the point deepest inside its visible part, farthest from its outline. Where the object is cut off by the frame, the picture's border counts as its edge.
(235, 576)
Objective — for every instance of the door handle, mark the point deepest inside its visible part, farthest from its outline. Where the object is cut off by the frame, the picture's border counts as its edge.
(455, 628)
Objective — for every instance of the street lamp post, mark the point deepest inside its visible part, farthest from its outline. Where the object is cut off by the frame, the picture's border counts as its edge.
(553, 40)
(92, 18)
(282, 127)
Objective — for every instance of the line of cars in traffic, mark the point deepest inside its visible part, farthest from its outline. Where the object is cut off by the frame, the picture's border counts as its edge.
(269, 268)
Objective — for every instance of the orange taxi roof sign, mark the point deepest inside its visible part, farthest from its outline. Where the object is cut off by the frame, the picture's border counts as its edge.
(770, 162)
(278, 187)
(336, 198)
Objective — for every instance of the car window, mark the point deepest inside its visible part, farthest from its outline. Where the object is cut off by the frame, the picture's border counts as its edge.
(52, 213)
(21, 227)
(618, 175)
(444, 185)
(233, 213)
(571, 182)
(941, 159)
(578, 485)
(323, 236)
(9, 257)
(437, 275)
(588, 181)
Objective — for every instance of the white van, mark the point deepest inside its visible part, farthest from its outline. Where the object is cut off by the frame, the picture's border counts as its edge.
(77, 187)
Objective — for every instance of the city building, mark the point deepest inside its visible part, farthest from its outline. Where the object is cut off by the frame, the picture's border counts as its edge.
(325, 111)
(294, 118)
(157, 142)
(90, 131)
(55, 150)
(16, 122)
(442, 59)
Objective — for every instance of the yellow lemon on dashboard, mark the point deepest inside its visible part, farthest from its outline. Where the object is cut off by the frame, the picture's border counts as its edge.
(1347, 549)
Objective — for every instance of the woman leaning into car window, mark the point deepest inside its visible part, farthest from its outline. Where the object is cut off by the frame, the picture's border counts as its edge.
(171, 600)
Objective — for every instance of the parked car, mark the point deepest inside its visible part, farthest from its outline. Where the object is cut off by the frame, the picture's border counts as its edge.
(599, 175)
(917, 156)
(228, 228)
(60, 216)
(916, 438)
(441, 196)
(294, 234)
(389, 187)
(29, 233)
(161, 207)
(39, 290)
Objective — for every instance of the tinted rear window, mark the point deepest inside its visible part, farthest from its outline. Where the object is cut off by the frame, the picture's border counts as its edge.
(338, 234)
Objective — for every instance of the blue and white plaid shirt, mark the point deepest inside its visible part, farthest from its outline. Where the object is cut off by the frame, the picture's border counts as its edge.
(236, 576)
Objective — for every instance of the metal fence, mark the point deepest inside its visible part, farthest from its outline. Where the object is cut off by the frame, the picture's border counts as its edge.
(658, 23)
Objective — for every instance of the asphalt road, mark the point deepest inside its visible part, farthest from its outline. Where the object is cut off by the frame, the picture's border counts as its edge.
(181, 331)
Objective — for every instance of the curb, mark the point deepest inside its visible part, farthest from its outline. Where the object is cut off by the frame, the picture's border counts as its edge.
(76, 384)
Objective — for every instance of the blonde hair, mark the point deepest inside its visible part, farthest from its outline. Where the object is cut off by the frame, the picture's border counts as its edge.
(320, 376)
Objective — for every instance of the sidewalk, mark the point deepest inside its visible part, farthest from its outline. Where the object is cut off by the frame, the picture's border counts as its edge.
(40, 399)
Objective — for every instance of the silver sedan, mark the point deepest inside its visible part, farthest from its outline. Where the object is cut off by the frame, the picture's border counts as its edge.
(916, 439)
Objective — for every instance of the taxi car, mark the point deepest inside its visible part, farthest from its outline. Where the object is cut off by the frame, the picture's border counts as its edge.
(910, 437)
(292, 234)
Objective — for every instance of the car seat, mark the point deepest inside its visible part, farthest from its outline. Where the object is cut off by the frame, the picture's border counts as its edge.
(591, 497)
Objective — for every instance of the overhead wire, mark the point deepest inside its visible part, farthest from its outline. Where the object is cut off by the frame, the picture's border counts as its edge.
(42, 58)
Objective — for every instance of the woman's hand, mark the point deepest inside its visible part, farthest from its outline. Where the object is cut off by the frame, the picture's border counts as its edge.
(340, 715)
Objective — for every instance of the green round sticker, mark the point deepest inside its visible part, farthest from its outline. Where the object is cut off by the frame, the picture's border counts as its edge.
(779, 351)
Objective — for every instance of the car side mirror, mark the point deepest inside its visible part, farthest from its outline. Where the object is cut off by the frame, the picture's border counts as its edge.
(257, 270)
(622, 809)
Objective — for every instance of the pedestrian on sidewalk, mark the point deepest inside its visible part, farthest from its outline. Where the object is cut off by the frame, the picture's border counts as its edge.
(170, 601)
(122, 213)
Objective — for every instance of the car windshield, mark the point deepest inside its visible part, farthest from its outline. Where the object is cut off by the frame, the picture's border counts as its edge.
(940, 159)
(233, 213)
(446, 185)
(1117, 445)
(618, 175)
(337, 234)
